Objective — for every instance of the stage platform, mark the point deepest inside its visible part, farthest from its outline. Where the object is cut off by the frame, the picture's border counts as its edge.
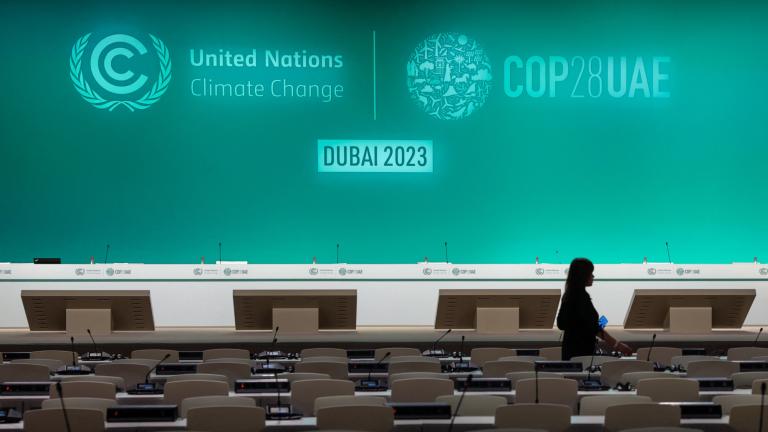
(199, 338)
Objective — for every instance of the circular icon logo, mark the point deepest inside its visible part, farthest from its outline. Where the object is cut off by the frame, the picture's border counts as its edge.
(227, 271)
(110, 271)
(449, 75)
(342, 271)
(455, 271)
(680, 271)
(539, 271)
(197, 271)
(79, 271)
(427, 271)
(764, 271)
(651, 271)
(313, 271)
(107, 79)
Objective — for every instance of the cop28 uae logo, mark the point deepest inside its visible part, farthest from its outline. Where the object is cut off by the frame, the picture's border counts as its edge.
(114, 82)
(449, 75)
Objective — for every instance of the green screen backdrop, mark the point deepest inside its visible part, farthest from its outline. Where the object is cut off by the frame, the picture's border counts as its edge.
(555, 166)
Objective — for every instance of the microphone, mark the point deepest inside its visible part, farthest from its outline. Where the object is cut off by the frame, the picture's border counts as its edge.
(147, 387)
(97, 354)
(653, 342)
(669, 257)
(557, 256)
(219, 251)
(64, 408)
(463, 366)
(337, 253)
(74, 357)
(278, 412)
(106, 254)
(587, 384)
(370, 384)
(536, 381)
(762, 406)
(758, 336)
(270, 354)
(446, 252)
(73, 369)
(434, 352)
(146, 377)
(461, 399)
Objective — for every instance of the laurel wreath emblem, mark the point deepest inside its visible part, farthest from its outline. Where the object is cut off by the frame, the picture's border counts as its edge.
(92, 97)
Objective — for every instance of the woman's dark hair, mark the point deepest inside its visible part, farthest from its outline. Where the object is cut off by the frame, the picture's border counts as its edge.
(578, 274)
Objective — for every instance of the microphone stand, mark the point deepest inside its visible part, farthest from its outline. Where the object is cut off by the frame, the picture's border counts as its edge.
(74, 369)
(536, 381)
(64, 408)
(758, 336)
(461, 399)
(762, 407)
(270, 368)
(434, 352)
(370, 384)
(463, 366)
(98, 354)
(147, 387)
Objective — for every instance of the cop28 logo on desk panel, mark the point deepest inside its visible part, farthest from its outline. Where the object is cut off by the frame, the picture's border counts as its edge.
(449, 75)
(115, 71)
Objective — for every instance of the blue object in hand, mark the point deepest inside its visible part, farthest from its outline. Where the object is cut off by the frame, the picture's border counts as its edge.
(603, 321)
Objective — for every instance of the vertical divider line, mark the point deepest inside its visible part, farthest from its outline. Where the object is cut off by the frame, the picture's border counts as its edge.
(374, 73)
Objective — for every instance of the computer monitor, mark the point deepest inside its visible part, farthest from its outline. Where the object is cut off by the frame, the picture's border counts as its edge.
(689, 310)
(74, 311)
(497, 310)
(295, 310)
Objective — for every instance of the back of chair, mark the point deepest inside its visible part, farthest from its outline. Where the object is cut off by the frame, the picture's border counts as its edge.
(727, 402)
(332, 401)
(474, 404)
(500, 368)
(531, 359)
(481, 355)
(66, 357)
(746, 353)
(744, 418)
(596, 405)
(669, 389)
(395, 352)
(683, 360)
(80, 402)
(756, 385)
(633, 377)
(551, 353)
(417, 366)
(712, 369)
(366, 418)
(420, 389)
(551, 390)
(595, 361)
(323, 352)
(514, 377)
(49, 420)
(221, 353)
(197, 377)
(612, 372)
(156, 354)
(621, 417)
(743, 380)
(209, 401)
(175, 392)
(549, 417)
(300, 376)
(304, 393)
(659, 354)
(24, 372)
(227, 419)
(150, 363)
(407, 375)
(233, 371)
(89, 389)
(52, 364)
(119, 382)
(132, 374)
(336, 369)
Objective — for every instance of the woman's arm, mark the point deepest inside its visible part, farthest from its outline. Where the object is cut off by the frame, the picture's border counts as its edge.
(614, 343)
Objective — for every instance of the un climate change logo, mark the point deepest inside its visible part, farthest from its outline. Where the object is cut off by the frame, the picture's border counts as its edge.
(121, 85)
(449, 74)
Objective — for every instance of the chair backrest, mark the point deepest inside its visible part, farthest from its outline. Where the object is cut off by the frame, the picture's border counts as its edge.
(414, 358)
(756, 385)
(132, 374)
(549, 417)
(683, 360)
(299, 376)
(474, 404)
(620, 417)
(150, 363)
(500, 368)
(663, 429)
(52, 364)
(659, 354)
(596, 360)
(80, 402)
(514, 377)
(304, 393)
(119, 382)
(551, 353)
(89, 389)
(323, 352)
(420, 389)
(209, 401)
(336, 369)
(156, 354)
(417, 366)
(406, 375)
(196, 377)
(226, 419)
(729, 401)
(481, 355)
(596, 405)
(669, 389)
(746, 353)
(176, 391)
(712, 368)
(612, 372)
(743, 380)
(744, 418)
(551, 390)
(65, 357)
(24, 372)
(221, 353)
(633, 377)
(331, 401)
(379, 353)
(80, 420)
(233, 371)
(366, 418)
